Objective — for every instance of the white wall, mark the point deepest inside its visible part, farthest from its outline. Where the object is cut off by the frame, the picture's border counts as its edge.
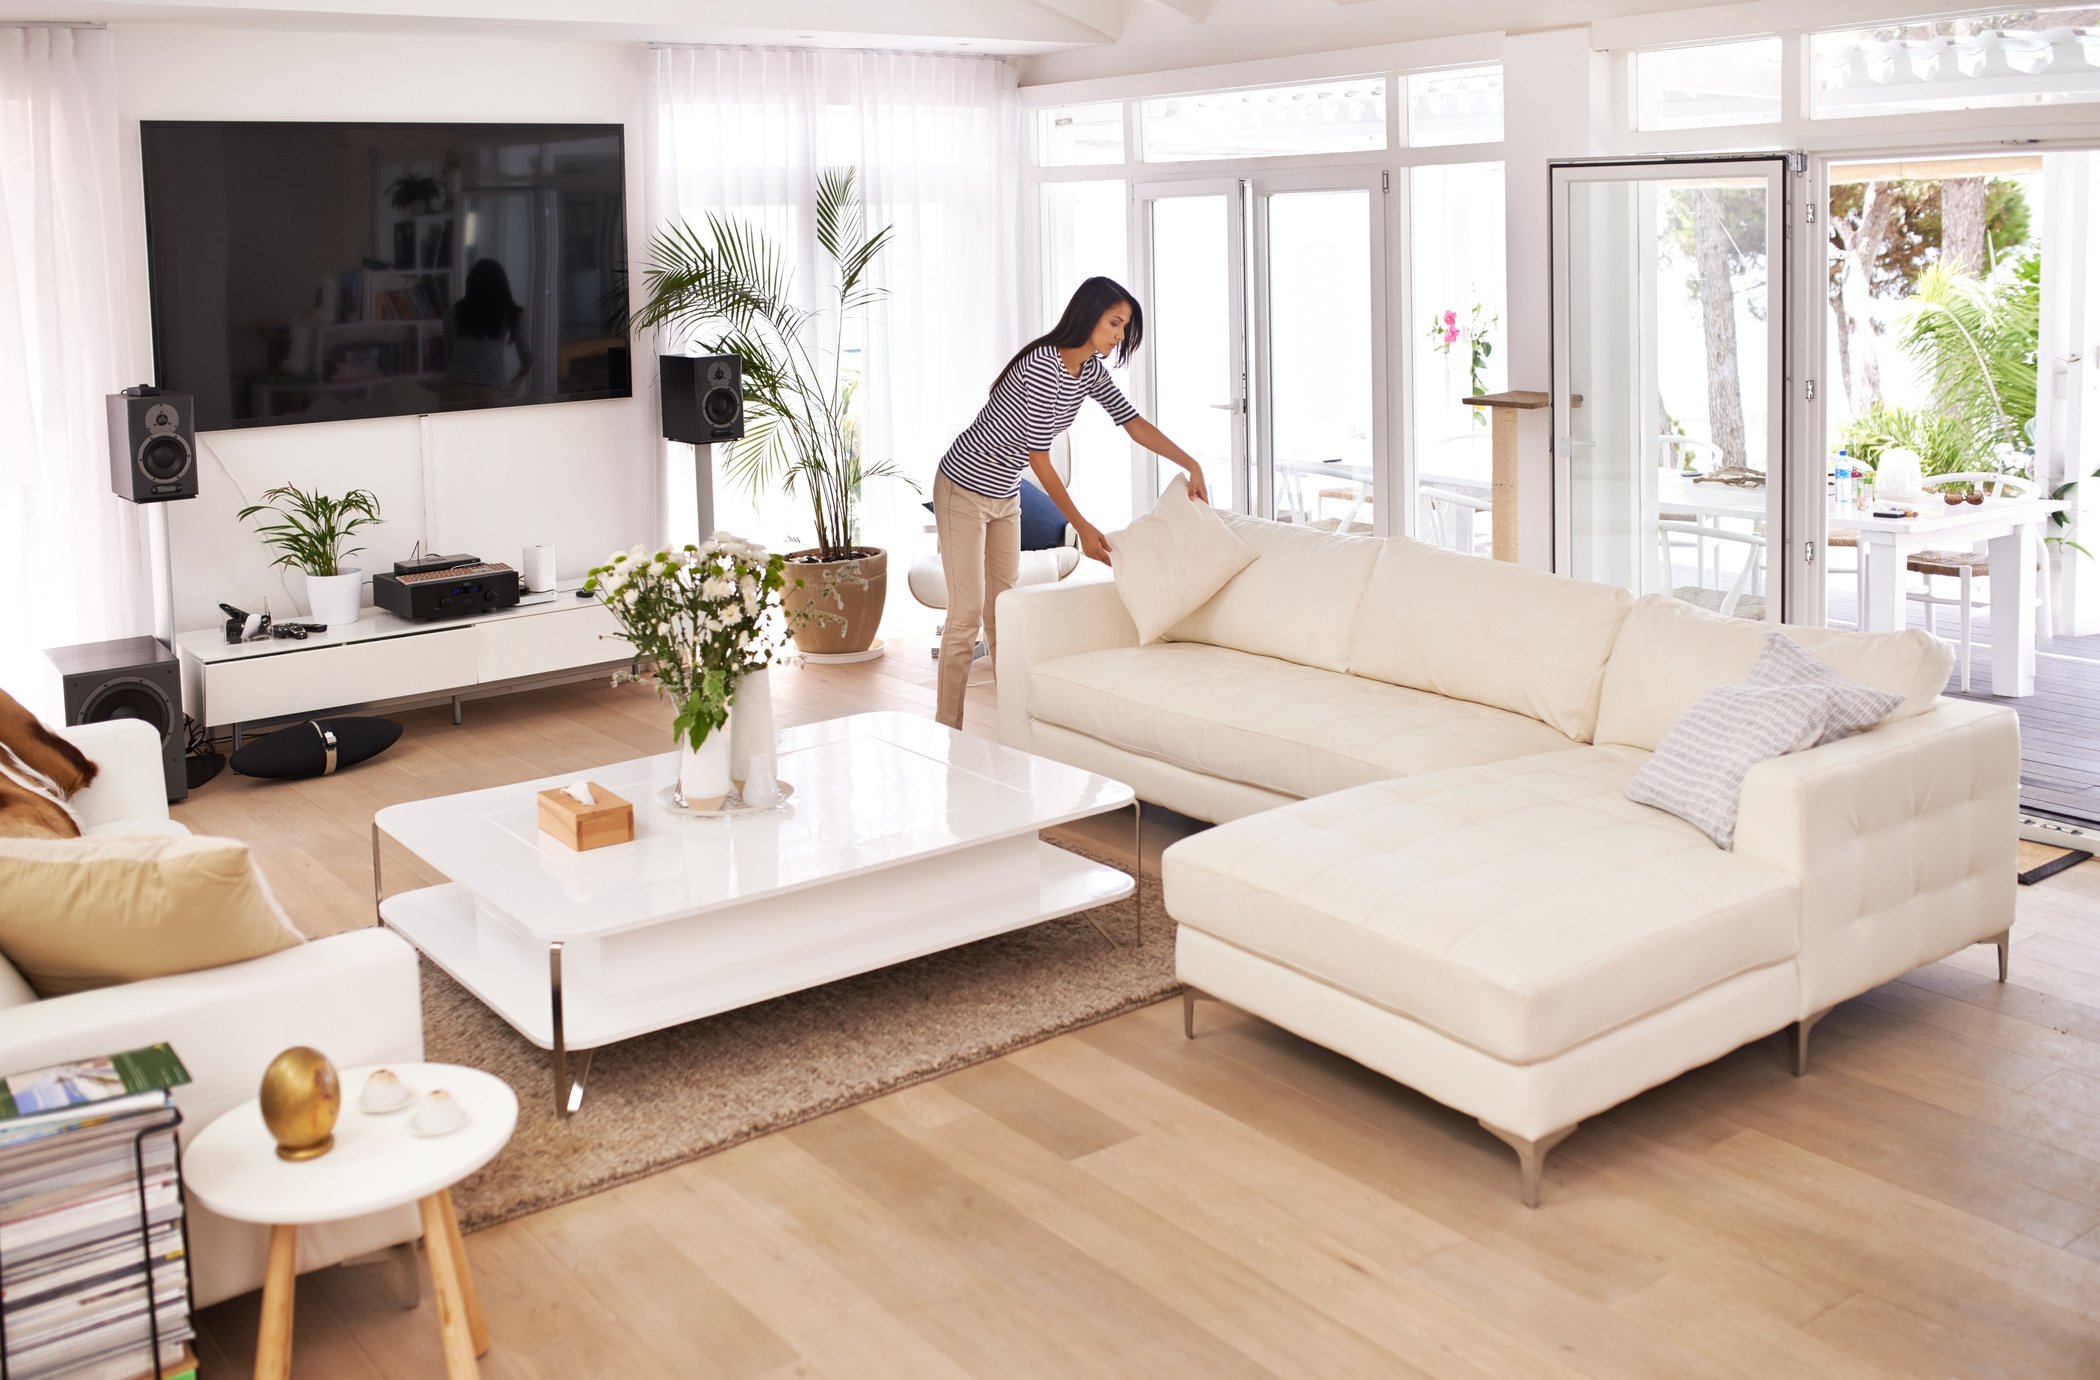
(580, 475)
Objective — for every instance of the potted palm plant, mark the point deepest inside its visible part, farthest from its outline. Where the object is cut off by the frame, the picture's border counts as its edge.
(309, 534)
(725, 286)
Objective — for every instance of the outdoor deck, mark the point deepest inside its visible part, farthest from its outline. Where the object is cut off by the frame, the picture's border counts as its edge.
(2059, 723)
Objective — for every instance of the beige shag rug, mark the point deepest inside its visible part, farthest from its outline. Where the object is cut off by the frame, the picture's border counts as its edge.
(660, 1100)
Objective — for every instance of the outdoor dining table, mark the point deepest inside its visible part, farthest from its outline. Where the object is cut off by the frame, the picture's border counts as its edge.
(2010, 527)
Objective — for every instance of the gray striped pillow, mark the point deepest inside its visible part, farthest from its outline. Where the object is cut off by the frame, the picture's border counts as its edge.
(1697, 770)
(1853, 708)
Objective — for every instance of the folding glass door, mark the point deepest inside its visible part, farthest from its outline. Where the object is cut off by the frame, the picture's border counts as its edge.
(1670, 351)
(1265, 331)
(1194, 236)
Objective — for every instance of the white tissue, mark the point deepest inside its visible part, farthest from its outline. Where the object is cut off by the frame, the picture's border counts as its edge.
(580, 792)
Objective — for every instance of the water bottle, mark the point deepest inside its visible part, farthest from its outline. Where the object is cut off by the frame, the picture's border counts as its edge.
(1842, 486)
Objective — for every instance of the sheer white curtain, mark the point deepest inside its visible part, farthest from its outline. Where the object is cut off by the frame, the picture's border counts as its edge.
(73, 562)
(743, 131)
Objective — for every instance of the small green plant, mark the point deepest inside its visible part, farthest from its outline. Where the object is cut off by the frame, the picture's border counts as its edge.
(311, 527)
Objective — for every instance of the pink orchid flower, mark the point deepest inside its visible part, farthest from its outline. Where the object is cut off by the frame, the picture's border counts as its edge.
(1450, 335)
(1451, 318)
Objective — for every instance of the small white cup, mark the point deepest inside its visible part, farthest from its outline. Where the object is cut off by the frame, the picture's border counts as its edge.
(384, 1092)
(760, 788)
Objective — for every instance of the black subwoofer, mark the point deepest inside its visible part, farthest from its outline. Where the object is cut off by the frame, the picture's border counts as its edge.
(131, 678)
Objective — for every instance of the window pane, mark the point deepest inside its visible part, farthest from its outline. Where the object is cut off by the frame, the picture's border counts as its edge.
(2037, 57)
(1068, 136)
(1188, 334)
(1456, 272)
(1457, 107)
(1332, 117)
(1084, 234)
(1710, 85)
(1319, 315)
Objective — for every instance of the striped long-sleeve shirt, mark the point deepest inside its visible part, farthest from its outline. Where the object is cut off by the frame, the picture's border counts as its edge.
(1025, 413)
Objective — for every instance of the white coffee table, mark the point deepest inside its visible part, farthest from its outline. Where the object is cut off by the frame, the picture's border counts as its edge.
(377, 1163)
(902, 838)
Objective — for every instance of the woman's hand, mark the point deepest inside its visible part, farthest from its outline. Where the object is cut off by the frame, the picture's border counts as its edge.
(1197, 489)
(1094, 545)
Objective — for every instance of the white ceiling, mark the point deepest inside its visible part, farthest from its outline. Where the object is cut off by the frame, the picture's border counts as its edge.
(1011, 27)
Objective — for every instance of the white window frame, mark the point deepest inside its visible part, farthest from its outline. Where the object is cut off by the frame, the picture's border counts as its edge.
(1393, 458)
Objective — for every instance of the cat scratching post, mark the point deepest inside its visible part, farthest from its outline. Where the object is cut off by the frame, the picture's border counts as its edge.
(1502, 490)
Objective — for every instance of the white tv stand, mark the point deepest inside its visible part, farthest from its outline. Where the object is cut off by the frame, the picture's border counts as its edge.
(382, 657)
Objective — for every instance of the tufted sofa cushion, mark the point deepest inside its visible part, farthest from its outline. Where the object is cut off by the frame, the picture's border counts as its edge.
(1520, 907)
(1296, 600)
(1292, 729)
(1490, 632)
(1669, 654)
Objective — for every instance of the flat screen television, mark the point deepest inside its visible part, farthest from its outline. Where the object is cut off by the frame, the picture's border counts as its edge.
(315, 272)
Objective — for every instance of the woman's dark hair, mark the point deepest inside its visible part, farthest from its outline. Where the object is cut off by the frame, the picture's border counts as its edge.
(487, 309)
(1094, 299)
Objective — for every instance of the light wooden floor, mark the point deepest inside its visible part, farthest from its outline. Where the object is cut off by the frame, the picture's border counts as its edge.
(1121, 1202)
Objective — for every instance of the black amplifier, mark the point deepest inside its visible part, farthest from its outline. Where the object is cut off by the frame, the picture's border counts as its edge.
(470, 587)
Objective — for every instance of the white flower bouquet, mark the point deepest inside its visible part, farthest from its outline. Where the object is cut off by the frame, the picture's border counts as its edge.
(700, 618)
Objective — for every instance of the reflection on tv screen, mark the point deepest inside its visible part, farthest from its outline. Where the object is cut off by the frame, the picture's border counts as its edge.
(313, 272)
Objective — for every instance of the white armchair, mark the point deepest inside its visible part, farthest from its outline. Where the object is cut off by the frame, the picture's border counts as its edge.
(357, 997)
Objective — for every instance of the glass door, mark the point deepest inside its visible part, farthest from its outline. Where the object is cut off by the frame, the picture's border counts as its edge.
(1670, 351)
(1195, 271)
(1319, 347)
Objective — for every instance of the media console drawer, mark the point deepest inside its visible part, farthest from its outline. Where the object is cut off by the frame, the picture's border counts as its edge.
(313, 679)
(584, 636)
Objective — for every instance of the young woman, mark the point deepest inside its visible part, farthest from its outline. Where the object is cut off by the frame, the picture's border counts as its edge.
(977, 494)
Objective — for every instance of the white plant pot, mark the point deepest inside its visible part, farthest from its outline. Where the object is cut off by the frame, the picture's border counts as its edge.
(750, 724)
(335, 599)
(703, 772)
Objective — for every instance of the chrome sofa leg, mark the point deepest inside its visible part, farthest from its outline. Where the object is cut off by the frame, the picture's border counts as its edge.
(1797, 1040)
(1531, 1155)
(2003, 939)
(1188, 1013)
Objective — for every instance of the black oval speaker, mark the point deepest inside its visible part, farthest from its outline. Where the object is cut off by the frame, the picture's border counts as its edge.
(314, 748)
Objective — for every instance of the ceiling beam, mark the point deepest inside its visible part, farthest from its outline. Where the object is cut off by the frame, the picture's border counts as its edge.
(1194, 11)
(1104, 18)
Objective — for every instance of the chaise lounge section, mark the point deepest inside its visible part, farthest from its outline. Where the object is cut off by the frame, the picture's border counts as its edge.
(1426, 859)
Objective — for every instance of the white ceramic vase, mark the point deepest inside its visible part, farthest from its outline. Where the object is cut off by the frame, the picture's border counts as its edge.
(335, 599)
(751, 724)
(703, 772)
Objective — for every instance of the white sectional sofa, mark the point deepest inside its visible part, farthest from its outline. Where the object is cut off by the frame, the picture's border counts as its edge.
(1426, 859)
(357, 997)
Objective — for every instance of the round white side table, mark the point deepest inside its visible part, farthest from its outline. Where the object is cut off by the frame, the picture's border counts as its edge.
(377, 1163)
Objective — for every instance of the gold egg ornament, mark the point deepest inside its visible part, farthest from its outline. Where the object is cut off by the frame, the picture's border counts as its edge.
(301, 1098)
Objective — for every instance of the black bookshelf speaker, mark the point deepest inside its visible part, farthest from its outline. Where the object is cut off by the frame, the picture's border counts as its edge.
(130, 678)
(152, 445)
(703, 398)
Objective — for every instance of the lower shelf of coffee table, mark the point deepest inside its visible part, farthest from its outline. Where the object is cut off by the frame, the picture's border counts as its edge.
(638, 980)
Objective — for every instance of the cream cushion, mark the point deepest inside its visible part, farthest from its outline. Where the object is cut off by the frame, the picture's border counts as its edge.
(1670, 654)
(1295, 730)
(1297, 600)
(1521, 908)
(83, 913)
(1489, 631)
(1173, 559)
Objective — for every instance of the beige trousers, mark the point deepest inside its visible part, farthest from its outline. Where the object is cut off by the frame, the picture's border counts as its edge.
(980, 557)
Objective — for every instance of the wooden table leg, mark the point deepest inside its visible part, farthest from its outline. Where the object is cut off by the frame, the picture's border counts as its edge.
(444, 1281)
(273, 1345)
(475, 1325)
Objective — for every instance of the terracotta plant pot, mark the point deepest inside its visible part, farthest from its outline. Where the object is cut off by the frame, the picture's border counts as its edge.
(863, 602)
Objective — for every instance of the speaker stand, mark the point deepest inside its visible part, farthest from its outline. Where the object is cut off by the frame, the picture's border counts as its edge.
(704, 490)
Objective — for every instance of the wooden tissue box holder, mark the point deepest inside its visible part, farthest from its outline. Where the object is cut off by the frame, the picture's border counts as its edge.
(583, 827)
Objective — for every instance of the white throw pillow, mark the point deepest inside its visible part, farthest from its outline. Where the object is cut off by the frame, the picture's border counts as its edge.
(1698, 768)
(1171, 561)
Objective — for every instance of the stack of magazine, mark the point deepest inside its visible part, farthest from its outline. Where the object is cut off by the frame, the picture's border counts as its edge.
(94, 1269)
